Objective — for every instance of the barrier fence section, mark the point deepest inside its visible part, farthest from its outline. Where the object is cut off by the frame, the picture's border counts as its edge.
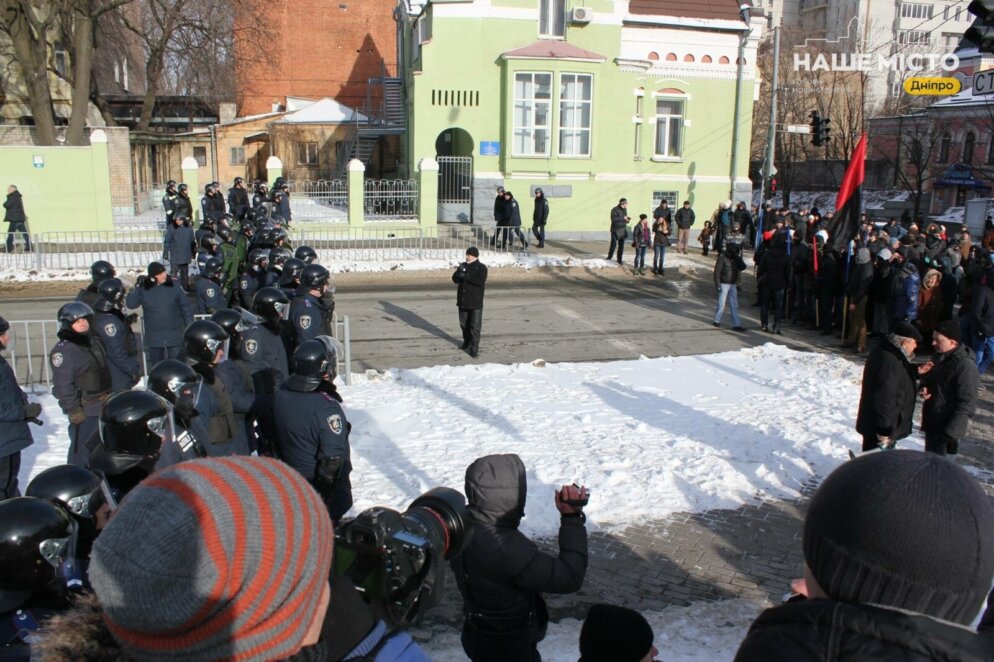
(34, 339)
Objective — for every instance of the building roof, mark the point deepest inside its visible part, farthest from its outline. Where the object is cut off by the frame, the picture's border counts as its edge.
(325, 111)
(727, 10)
(553, 49)
(962, 99)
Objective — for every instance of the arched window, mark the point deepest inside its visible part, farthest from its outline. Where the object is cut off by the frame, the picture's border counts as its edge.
(947, 140)
(653, 56)
(968, 144)
(688, 58)
(724, 60)
(671, 57)
(706, 59)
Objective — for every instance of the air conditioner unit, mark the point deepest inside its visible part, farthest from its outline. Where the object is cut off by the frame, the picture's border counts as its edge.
(581, 15)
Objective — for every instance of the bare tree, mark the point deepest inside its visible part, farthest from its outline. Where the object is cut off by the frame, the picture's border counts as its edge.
(30, 25)
(908, 145)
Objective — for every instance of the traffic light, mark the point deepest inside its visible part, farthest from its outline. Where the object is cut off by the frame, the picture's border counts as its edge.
(981, 32)
(819, 129)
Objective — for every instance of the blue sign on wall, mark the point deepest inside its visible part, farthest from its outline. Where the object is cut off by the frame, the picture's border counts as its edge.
(489, 148)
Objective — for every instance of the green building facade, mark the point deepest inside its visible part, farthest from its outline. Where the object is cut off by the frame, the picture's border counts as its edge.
(590, 101)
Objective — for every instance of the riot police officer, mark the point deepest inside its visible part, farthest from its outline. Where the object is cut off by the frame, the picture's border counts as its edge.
(243, 242)
(263, 349)
(80, 377)
(182, 387)
(237, 376)
(39, 572)
(100, 271)
(180, 247)
(114, 330)
(310, 315)
(82, 493)
(210, 246)
(210, 291)
(228, 253)
(238, 200)
(167, 313)
(254, 277)
(139, 434)
(212, 204)
(207, 228)
(290, 279)
(183, 205)
(169, 201)
(261, 198)
(205, 344)
(313, 429)
(281, 204)
(277, 258)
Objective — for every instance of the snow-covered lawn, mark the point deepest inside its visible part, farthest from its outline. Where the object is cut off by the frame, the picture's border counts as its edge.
(650, 437)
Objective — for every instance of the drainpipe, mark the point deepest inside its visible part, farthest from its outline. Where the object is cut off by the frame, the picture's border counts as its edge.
(744, 9)
(214, 154)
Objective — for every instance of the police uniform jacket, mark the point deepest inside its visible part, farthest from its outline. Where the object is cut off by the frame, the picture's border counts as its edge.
(160, 305)
(80, 375)
(310, 319)
(238, 384)
(121, 347)
(238, 202)
(180, 245)
(88, 295)
(250, 282)
(182, 206)
(283, 208)
(229, 255)
(14, 432)
(215, 411)
(212, 206)
(210, 296)
(262, 350)
(169, 206)
(472, 280)
(312, 426)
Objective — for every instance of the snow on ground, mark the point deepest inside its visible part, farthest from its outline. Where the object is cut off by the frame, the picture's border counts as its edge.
(650, 437)
(702, 632)
(825, 200)
(344, 261)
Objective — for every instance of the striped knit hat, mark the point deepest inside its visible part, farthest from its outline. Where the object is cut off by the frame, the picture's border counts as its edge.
(220, 558)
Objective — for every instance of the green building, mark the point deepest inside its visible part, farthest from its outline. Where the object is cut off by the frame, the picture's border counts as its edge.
(590, 100)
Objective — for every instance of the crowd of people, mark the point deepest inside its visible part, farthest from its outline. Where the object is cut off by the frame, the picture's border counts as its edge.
(195, 516)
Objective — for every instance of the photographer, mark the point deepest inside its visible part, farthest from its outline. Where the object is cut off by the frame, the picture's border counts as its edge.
(471, 277)
(501, 574)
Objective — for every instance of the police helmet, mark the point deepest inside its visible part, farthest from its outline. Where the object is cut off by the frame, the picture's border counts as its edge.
(235, 320)
(171, 184)
(271, 304)
(183, 187)
(306, 253)
(312, 361)
(238, 180)
(173, 380)
(210, 242)
(102, 270)
(133, 427)
(111, 293)
(248, 227)
(261, 188)
(277, 235)
(279, 183)
(292, 269)
(80, 491)
(278, 256)
(212, 267)
(314, 276)
(209, 224)
(37, 543)
(258, 257)
(72, 311)
(224, 233)
(202, 339)
(208, 188)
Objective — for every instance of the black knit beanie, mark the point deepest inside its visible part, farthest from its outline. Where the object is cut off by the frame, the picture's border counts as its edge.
(903, 529)
(614, 634)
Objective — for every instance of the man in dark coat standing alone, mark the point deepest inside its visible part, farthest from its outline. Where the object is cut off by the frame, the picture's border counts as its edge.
(15, 218)
(471, 277)
(502, 574)
(15, 412)
(887, 401)
(540, 217)
(949, 390)
(619, 228)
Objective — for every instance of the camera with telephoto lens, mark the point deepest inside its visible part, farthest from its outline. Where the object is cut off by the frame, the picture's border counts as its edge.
(397, 560)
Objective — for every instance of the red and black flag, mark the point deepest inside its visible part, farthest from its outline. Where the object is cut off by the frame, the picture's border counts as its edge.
(849, 202)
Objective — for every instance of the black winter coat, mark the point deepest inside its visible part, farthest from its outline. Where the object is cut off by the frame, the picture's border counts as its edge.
(540, 215)
(183, 206)
(953, 382)
(619, 222)
(512, 214)
(826, 630)
(238, 202)
(501, 573)
(14, 208)
(887, 401)
(982, 322)
(471, 277)
(499, 209)
(14, 432)
(727, 269)
(772, 271)
(858, 286)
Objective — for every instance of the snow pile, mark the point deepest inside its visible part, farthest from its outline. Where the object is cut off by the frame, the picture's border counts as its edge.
(702, 632)
(650, 437)
(825, 200)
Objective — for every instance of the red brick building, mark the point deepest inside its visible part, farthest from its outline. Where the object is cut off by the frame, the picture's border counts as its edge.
(312, 49)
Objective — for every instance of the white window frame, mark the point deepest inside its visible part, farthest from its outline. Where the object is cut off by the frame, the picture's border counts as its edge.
(670, 197)
(547, 11)
(916, 10)
(532, 103)
(682, 99)
(577, 129)
(914, 37)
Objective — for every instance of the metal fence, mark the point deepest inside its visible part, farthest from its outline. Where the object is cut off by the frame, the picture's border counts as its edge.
(34, 339)
(319, 200)
(390, 199)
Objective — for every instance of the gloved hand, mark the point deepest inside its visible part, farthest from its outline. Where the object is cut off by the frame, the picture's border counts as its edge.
(32, 410)
(131, 319)
(77, 417)
(141, 280)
